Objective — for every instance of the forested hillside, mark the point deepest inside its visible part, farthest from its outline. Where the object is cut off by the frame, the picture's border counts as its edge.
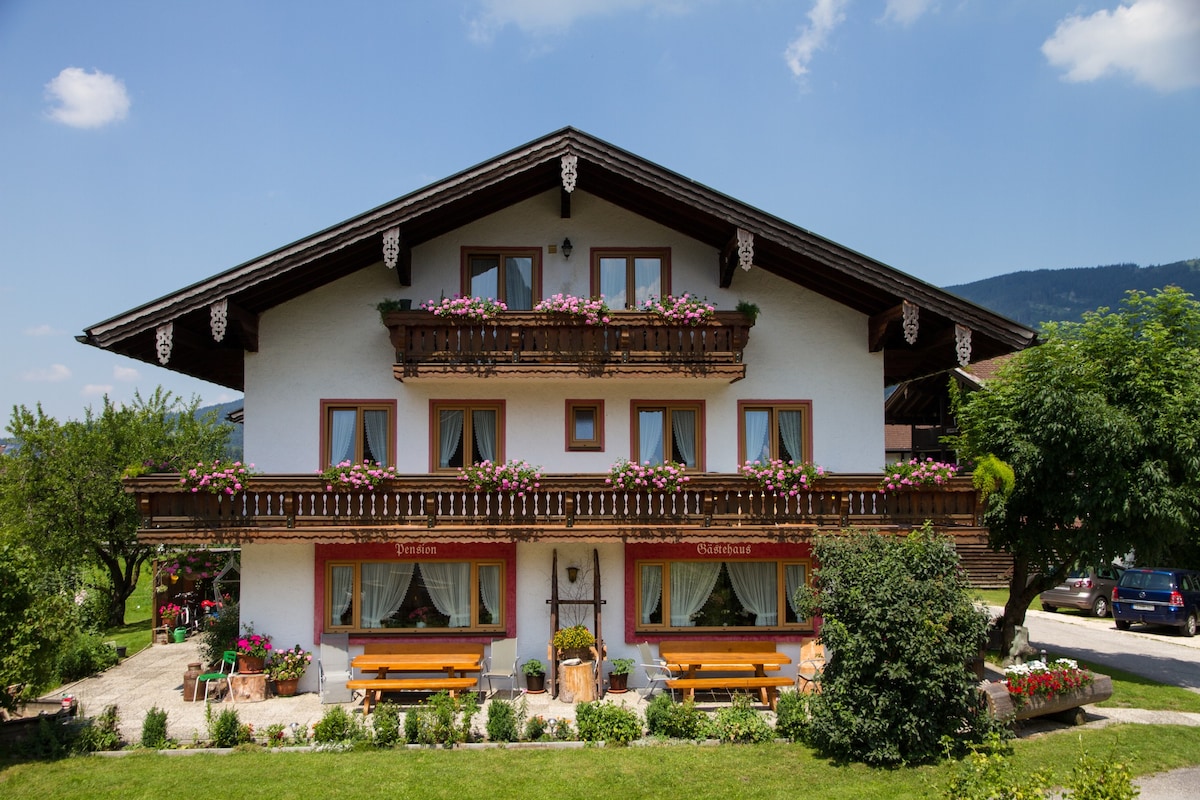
(1046, 295)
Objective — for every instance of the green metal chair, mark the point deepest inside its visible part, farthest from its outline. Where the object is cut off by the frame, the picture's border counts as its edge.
(229, 659)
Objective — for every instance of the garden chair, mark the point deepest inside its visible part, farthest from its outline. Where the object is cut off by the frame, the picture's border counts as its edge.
(812, 664)
(655, 669)
(502, 663)
(333, 668)
(229, 659)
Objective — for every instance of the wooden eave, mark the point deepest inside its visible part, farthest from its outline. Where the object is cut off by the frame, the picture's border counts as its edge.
(605, 171)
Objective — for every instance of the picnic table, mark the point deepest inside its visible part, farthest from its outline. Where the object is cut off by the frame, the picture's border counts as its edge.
(690, 659)
(447, 662)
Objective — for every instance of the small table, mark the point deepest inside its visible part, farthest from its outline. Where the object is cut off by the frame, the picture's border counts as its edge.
(716, 660)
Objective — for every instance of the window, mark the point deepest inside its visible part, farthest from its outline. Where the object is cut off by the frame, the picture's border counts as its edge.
(465, 433)
(511, 275)
(771, 430)
(415, 595)
(585, 424)
(631, 276)
(720, 594)
(357, 431)
(672, 431)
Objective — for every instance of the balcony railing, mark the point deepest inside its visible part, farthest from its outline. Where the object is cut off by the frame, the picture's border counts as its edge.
(534, 344)
(712, 505)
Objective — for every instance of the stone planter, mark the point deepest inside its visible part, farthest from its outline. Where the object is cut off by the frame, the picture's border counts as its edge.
(1006, 709)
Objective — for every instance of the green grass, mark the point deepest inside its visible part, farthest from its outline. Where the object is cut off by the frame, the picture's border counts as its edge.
(135, 634)
(763, 771)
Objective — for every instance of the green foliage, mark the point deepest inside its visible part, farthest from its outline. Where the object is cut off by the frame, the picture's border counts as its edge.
(993, 476)
(385, 724)
(225, 729)
(533, 667)
(337, 726)
(501, 721)
(444, 720)
(607, 722)
(84, 654)
(536, 728)
(665, 717)
(154, 728)
(739, 722)
(100, 734)
(1100, 779)
(412, 725)
(35, 621)
(991, 776)
(622, 666)
(791, 715)
(220, 633)
(900, 627)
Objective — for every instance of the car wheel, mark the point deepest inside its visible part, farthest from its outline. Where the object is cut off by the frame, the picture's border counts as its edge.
(1189, 626)
(1100, 607)
(1048, 607)
(1122, 624)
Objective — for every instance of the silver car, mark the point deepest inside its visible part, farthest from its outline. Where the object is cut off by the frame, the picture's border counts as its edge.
(1086, 589)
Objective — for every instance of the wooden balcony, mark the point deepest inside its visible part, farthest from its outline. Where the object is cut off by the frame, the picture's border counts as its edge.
(528, 344)
(432, 507)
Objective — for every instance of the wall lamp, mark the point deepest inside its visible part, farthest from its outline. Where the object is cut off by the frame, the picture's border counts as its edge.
(567, 248)
(572, 574)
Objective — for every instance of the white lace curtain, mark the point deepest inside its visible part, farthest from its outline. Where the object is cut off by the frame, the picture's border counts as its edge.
(683, 426)
(790, 431)
(376, 425)
(483, 425)
(384, 587)
(449, 587)
(612, 282)
(341, 435)
(650, 436)
(793, 575)
(340, 593)
(754, 583)
(692, 583)
(757, 424)
(450, 426)
(651, 591)
(489, 589)
(518, 283)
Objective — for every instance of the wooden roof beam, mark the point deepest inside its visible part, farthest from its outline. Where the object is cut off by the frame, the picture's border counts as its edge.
(877, 327)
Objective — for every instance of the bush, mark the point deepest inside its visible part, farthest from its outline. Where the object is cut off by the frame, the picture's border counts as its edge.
(412, 725)
(665, 717)
(100, 734)
(607, 722)
(900, 629)
(444, 720)
(501, 721)
(385, 724)
(1100, 779)
(154, 729)
(83, 655)
(337, 725)
(739, 722)
(220, 633)
(536, 729)
(226, 730)
(791, 716)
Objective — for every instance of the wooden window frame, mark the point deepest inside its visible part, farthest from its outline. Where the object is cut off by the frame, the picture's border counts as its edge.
(359, 406)
(664, 603)
(437, 406)
(355, 627)
(774, 407)
(596, 443)
(629, 254)
(636, 406)
(535, 253)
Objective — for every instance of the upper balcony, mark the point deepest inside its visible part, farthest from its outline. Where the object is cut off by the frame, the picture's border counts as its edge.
(714, 506)
(529, 344)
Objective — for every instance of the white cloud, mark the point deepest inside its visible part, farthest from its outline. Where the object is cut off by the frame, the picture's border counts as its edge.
(1157, 42)
(125, 374)
(97, 389)
(42, 330)
(51, 374)
(906, 12)
(87, 99)
(822, 19)
(543, 17)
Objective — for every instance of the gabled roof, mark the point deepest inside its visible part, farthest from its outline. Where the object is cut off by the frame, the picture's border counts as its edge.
(603, 170)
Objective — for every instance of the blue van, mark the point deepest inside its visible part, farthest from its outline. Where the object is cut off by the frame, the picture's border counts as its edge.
(1159, 596)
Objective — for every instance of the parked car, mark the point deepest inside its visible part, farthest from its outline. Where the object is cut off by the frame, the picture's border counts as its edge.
(1086, 589)
(1161, 596)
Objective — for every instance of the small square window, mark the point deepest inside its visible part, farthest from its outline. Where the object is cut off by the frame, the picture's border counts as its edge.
(585, 424)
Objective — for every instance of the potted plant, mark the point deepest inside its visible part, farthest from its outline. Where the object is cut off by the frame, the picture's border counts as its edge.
(252, 650)
(169, 614)
(914, 472)
(287, 667)
(618, 676)
(574, 642)
(535, 676)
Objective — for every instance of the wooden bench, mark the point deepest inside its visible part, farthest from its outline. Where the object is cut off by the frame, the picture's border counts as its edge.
(421, 648)
(666, 651)
(373, 688)
(767, 685)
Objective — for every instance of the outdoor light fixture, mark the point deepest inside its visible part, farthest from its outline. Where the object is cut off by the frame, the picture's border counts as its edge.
(566, 251)
(572, 574)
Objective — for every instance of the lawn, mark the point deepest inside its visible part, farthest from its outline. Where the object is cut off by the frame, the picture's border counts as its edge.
(676, 771)
(139, 611)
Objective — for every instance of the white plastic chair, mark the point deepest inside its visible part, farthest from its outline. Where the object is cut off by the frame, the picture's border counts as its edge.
(655, 669)
(334, 668)
(502, 663)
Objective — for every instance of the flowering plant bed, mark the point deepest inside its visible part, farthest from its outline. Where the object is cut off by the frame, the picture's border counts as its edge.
(1038, 688)
(514, 477)
(217, 479)
(366, 476)
(465, 309)
(914, 472)
(785, 479)
(1041, 679)
(630, 475)
(255, 645)
(685, 308)
(593, 312)
(289, 665)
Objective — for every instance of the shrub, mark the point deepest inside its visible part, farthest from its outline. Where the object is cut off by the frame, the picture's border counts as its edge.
(739, 722)
(501, 721)
(275, 734)
(791, 715)
(607, 722)
(536, 729)
(100, 734)
(225, 730)
(386, 724)
(220, 633)
(665, 717)
(1100, 779)
(444, 720)
(412, 725)
(84, 654)
(900, 628)
(154, 729)
(337, 725)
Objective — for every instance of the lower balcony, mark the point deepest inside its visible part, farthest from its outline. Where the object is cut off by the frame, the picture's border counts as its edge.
(564, 507)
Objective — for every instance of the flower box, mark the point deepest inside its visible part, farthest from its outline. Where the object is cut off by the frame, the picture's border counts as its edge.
(1005, 707)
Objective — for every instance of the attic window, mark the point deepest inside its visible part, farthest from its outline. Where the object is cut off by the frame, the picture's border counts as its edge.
(629, 277)
(511, 275)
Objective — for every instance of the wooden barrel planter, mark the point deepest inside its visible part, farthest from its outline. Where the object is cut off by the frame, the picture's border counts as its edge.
(1005, 708)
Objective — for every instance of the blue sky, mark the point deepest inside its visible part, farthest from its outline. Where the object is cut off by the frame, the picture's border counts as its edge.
(148, 145)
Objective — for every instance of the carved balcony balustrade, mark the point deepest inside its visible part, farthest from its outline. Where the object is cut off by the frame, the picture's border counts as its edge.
(530, 344)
